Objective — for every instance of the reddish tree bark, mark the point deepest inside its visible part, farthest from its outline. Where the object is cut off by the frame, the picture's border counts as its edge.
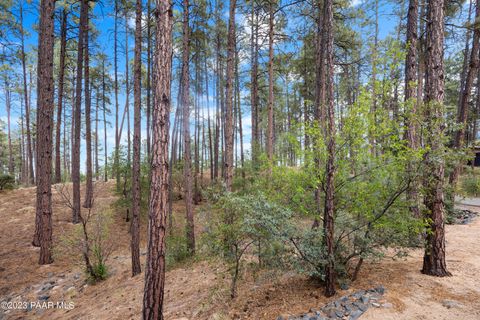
(77, 118)
(229, 98)
(185, 102)
(61, 73)
(155, 265)
(88, 123)
(45, 106)
(137, 96)
(434, 262)
(411, 80)
(31, 174)
(329, 212)
(270, 83)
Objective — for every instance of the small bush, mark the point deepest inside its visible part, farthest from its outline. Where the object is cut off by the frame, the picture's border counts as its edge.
(471, 185)
(90, 244)
(177, 250)
(246, 225)
(7, 182)
(99, 273)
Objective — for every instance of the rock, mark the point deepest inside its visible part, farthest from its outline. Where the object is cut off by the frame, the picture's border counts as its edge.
(358, 294)
(349, 307)
(387, 305)
(47, 287)
(339, 313)
(380, 289)
(50, 274)
(450, 304)
(363, 307)
(360, 306)
(330, 313)
(355, 315)
(365, 299)
(44, 298)
(376, 305)
(344, 286)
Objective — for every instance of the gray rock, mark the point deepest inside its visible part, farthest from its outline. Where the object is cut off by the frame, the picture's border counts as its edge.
(330, 313)
(44, 298)
(47, 287)
(339, 313)
(360, 306)
(450, 304)
(365, 299)
(344, 286)
(380, 289)
(355, 315)
(349, 307)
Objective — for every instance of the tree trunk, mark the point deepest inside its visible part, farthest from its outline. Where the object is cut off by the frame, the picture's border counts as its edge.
(239, 112)
(434, 259)
(149, 66)
(373, 139)
(61, 73)
(229, 98)
(462, 115)
(8, 104)
(411, 80)
(270, 84)
(185, 102)
(137, 96)
(45, 106)
(88, 123)
(329, 212)
(115, 67)
(155, 265)
(104, 121)
(78, 113)
(97, 103)
(27, 109)
(254, 81)
(24, 175)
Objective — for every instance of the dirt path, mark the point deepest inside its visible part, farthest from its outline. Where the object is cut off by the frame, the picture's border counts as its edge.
(416, 296)
(199, 290)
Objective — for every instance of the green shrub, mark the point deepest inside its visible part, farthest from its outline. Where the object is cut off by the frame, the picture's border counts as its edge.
(177, 249)
(471, 185)
(7, 182)
(90, 243)
(246, 225)
(99, 273)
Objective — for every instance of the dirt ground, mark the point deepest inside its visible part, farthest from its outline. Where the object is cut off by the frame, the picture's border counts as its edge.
(198, 289)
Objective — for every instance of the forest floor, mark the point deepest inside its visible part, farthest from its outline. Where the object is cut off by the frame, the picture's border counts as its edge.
(199, 289)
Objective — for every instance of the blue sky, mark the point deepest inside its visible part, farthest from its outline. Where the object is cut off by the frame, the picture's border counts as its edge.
(103, 20)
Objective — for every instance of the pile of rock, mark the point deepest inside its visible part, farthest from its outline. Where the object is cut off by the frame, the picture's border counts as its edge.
(349, 307)
(463, 216)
